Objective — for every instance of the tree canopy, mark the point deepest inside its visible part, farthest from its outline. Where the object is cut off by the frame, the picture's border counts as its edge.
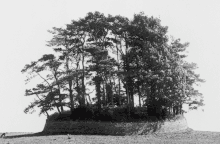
(122, 58)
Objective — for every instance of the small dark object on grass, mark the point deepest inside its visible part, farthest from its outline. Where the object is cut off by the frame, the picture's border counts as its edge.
(68, 136)
(3, 135)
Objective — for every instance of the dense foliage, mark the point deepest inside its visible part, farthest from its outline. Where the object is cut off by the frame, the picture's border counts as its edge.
(122, 58)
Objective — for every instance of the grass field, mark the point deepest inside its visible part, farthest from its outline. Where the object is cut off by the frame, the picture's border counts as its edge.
(188, 136)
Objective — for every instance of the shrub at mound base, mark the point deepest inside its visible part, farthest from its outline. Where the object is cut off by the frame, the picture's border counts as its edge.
(108, 128)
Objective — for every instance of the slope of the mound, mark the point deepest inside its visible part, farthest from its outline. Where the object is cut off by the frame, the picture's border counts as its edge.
(108, 128)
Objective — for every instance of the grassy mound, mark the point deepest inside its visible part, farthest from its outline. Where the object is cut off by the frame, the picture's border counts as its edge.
(178, 123)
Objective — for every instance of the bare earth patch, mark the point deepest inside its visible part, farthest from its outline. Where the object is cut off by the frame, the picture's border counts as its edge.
(183, 137)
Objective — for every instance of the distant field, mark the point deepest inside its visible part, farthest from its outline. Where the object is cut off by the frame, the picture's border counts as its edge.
(186, 137)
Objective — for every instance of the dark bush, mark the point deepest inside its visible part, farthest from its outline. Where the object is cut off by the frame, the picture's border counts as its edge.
(60, 117)
(138, 114)
(82, 113)
(118, 114)
(53, 116)
(103, 115)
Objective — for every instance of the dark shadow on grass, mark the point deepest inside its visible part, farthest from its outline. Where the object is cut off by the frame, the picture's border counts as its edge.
(53, 133)
(151, 128)
(26, 135)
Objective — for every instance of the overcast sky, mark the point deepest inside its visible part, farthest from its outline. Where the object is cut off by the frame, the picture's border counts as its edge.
(23, 36)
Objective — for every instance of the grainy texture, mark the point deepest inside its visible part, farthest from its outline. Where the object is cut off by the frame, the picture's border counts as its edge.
(171, 132)
(184, 137)
(107, 128)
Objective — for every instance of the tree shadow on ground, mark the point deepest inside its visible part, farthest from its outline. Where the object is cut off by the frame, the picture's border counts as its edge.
(51, 134)
(25, 135)
(150, 128)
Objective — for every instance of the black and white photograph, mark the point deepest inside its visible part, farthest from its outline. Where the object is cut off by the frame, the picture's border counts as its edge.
(110, 72)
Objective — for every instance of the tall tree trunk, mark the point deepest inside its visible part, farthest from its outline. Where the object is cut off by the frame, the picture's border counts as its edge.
(126, 91)
(174, 110)
(71, 95)
(119, 83)
(60, 100)
(58, 109)
(138, 84)
(116, 94)
(83, 84)
(181, 111)
(77, 83)
(78, 89)
(139, 95)
(112, 96)
(115, 88)
(169, 110)
(70, 87)
(109, 93)
(130, 91)
(47, 114)
(126, 71)
(97, 80)
(152, 105)
(57, 106)
(119, 92)
(104, 95)
(177, 110)
(129, 79)
(60, 96)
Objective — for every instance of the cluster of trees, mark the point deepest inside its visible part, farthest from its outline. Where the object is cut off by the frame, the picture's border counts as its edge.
(122, 58)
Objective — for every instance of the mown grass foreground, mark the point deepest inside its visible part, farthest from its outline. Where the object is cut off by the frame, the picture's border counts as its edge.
(183, 137)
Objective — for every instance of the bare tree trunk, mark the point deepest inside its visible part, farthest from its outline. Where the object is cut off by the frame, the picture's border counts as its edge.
(119, 91)
(60, 96)
(58, 110)
(130, 91)
(104, 95)
(47, 114)
(180, 109)
(60, 101)
(70, 87)
(115, 87)
(169, 110)
(177, 110)
(71, 95)
(97, 80)
(83, 84)
(139, 94)
(111, 85)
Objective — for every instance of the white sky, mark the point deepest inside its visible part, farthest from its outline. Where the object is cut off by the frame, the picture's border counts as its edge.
(23, 35)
